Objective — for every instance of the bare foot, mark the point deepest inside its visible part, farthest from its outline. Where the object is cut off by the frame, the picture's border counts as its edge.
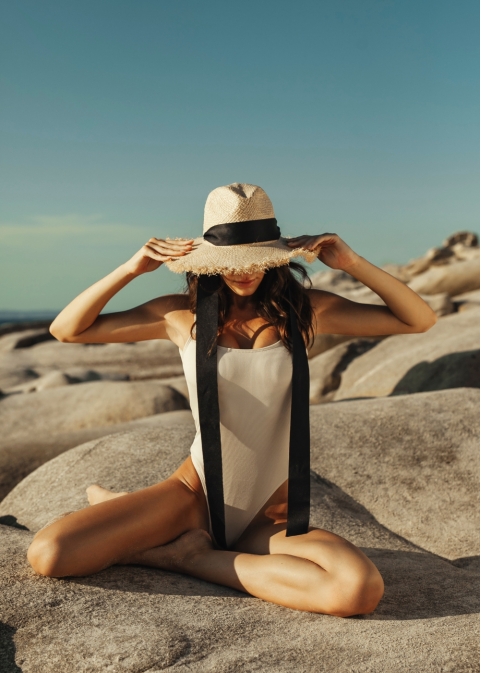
(96, 494)
(178, 555)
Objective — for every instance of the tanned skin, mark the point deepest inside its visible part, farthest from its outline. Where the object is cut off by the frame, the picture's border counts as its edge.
(166, 525)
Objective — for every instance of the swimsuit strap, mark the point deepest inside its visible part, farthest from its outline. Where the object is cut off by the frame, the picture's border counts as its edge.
(207, 316)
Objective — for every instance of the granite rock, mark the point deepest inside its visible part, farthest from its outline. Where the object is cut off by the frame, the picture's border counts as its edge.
(88, 405)
(411, 460)
(443, 357)
(20, 456)
(453, 279)
(142, 360)
(326, 369)
(129, 619)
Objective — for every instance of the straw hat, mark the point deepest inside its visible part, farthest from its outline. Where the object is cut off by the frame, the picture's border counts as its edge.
(240, 235)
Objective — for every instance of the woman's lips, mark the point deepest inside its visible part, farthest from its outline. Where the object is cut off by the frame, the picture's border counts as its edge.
(243, 282)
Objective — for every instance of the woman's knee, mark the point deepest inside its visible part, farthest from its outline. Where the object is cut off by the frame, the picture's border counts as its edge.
(357, 592)
(47, 556)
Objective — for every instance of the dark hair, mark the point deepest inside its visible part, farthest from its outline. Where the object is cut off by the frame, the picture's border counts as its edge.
(272, 300)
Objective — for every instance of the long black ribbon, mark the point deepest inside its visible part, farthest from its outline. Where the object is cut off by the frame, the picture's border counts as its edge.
(298, 495)
(207, 320)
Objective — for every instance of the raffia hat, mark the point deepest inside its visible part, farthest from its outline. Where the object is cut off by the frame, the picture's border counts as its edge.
(240, 235)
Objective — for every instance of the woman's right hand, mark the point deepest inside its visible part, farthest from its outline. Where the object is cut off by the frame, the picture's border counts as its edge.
(155, 252)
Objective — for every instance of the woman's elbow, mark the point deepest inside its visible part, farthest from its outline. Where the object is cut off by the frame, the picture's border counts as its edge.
(429, 321)
(60, 334)
(55, 331)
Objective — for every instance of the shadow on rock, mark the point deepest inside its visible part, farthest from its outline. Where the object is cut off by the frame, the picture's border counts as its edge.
(423, 585)
(7, 650)
(139, 579)
(417, 585)
(455, 370)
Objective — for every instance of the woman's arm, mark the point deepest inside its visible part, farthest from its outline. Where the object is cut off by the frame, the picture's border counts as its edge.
(80, 322)
(405, 312)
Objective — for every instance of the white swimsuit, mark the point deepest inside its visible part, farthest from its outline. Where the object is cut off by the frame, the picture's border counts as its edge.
(255, 413)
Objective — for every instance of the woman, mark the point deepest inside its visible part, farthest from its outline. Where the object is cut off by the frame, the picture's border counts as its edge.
(169, 525)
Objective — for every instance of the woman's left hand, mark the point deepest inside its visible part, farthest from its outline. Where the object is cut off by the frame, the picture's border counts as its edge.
(332, 250)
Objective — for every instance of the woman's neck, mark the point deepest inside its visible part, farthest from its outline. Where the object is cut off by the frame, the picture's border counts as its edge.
(241, 306)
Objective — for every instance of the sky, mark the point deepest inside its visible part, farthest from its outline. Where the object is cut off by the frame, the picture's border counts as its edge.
(118, 117)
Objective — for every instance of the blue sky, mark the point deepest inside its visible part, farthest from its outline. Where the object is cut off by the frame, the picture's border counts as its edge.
(118, 117)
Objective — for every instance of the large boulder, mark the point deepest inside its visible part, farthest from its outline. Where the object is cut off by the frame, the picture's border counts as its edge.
(57, 378)
(151, 359)
(412, 461)
(324, 342)
(88, 405)
(453, 279)
(23, 339)
(425, 491)
(467, 301)
(326, 369)
(443, 357)
(129, 619)
(20, 456)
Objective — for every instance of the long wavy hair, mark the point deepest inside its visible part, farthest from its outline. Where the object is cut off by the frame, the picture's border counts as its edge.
(272, 301)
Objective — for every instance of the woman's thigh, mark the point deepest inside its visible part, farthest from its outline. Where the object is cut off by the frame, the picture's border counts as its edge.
(331, 552)
(98, 536)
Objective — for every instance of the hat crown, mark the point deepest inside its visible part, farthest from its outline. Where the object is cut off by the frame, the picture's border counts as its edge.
(237, 202)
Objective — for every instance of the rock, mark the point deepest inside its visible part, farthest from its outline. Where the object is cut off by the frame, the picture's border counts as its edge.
(53, 379)
(177, 383)
(88, 405)
(326, 369)
(19, 457)
(23, 325)
(415, 362)
(412, 461)
(119, 358)
(129, 619)
(14, 376)
(453, 279)
(24, 339)
(460, 246)
(467, 239)
(56, 378)
(467, 301)
(324, 342)
(336, 281)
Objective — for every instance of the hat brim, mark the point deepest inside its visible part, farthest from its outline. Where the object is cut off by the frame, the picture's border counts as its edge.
(209, 259)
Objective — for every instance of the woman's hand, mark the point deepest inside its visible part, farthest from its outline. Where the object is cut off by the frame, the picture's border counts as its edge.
(332, 250)
(155, 252)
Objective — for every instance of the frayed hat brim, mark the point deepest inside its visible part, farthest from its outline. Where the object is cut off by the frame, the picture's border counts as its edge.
(209, 259)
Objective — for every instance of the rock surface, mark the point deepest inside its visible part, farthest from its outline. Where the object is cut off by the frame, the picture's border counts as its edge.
(131, 619)
(419, 479)
(411, 460)
(467, 301)
(88, 405)
(326, 369)
(441, 358)
(453, 279)
(19, 457)
(142, 360)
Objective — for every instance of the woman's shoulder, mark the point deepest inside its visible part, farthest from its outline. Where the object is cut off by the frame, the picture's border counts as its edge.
(321, 300)
(169, 303)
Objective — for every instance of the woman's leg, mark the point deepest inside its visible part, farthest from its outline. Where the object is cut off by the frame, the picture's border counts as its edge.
(316, 572)
(99, 536)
